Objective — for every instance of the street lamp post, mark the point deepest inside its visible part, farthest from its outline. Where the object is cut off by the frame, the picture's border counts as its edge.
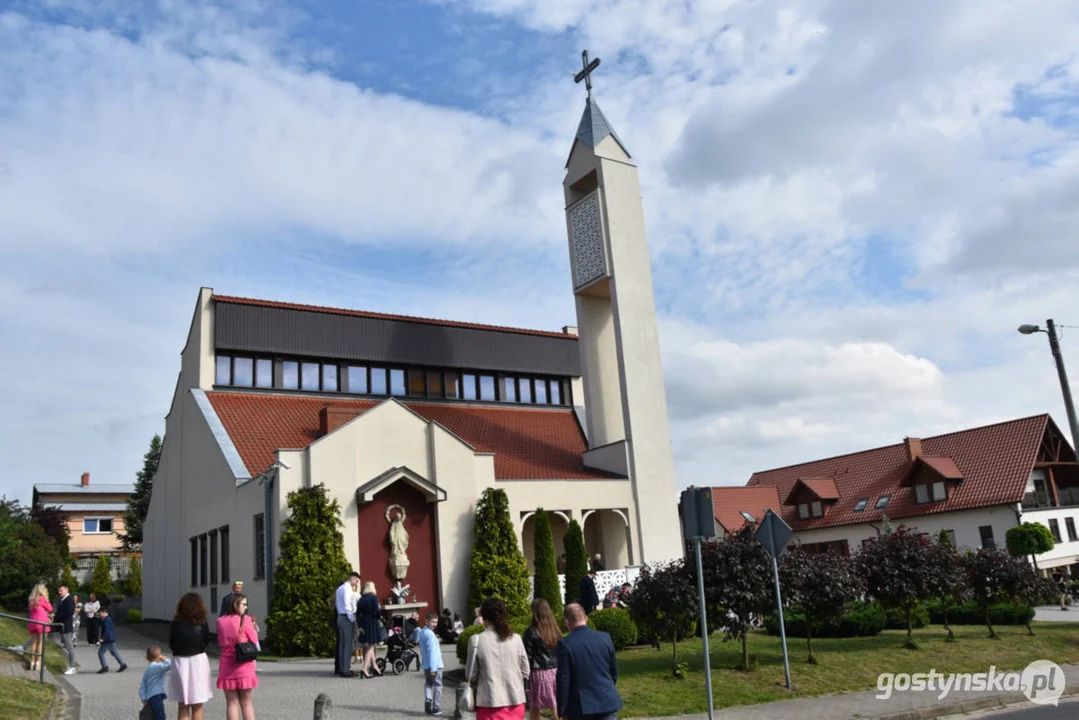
(1054, 346)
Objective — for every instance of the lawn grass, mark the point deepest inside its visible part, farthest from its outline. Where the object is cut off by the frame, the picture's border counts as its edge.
(846, 665)
(25, 699)
(13, 632)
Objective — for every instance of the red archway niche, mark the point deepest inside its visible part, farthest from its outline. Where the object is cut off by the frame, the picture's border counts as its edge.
(375, 542)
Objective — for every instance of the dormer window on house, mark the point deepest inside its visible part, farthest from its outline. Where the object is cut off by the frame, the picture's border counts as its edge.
(935, 491)
(812, 496)
(354, 379)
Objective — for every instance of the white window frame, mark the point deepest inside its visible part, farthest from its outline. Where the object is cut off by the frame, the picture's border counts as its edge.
(816, 509)
(98, 519)
(803, 511)
(921, 493)
(943, 491)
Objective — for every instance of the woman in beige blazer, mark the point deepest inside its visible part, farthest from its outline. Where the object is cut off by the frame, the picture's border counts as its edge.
(497, 666)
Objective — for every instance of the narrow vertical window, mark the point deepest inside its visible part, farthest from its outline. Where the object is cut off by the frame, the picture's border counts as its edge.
(329, 378)
(194, 561)
(509, 389)
(397, 382)
(357, 379)
(203, 560)
(378, 381)
(264, 373)
(224, 370)
(434, 383)
(986, 532)
(468, 387)
(309, 379)
(213, 557)
(225, 554)
(453, 385)
(556, 392)
(541, 391)
(290, 375)
(260, 546)
(524, 390)
(487, 387)
(416, 388)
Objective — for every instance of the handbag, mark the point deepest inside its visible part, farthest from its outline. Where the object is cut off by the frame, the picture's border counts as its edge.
(245, 651)
(468, 703)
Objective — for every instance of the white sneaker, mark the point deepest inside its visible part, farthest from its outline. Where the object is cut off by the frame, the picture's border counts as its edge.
(70, 671)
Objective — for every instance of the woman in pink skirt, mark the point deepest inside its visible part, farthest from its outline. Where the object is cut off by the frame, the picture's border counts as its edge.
(190, 684)
(40, 607)
(497, 666)
(236, 678)
(541, 643)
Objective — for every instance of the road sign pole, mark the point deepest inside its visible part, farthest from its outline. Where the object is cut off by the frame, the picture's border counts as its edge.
(704, 630)
(779, 608)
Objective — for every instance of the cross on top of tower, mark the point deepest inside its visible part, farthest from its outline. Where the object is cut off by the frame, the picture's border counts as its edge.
(586, 72)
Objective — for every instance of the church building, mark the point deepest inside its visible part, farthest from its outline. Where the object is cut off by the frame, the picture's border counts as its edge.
(406, 421)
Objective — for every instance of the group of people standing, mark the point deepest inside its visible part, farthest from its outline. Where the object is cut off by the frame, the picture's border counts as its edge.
(358, 622)
(574, 675)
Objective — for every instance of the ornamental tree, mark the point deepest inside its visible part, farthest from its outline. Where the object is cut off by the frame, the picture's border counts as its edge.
(898, 573)
(1024, 585)
(54, 522)
(312, 565)
(30, 555)
(138, 503)
(576, 561)
(497, 567)
(988, 571)
(951, 587)
(545, 582)
(738, 584)
(133, 582)
(663, 604)
(1029, 539)
(821, 584)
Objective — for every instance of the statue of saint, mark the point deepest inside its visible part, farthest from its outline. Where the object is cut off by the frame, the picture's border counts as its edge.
(398, 541)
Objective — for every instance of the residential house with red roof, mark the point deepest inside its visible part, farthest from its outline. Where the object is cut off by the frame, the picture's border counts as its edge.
(974, 484)
(406, 421)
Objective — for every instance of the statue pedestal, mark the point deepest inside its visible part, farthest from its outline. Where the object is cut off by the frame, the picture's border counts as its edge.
(405, 609)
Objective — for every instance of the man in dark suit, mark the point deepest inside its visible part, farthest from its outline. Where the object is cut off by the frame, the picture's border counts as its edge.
(587, 594)
(226, 602)
(587, 671)
(64, 615)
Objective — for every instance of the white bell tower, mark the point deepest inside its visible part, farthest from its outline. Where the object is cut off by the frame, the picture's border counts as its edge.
(625, 400)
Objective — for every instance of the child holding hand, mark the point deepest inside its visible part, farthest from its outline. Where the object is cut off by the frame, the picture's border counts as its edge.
(152, 688)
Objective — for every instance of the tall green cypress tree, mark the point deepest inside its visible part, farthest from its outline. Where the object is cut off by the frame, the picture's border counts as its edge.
(497, 567)
(311, 567)
(546, 580)
(576, 561)
(101, 580)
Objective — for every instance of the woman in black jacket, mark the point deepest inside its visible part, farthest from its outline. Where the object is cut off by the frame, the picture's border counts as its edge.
(540, 639)
(190, 684)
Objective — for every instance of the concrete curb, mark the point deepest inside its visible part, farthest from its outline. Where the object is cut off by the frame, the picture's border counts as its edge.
(72, 698)
(995, 701)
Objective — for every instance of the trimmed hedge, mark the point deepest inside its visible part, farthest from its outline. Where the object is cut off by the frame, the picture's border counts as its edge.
(861, 620)
(970, 613)
(897, 618)
(617, 623)
(134, 615)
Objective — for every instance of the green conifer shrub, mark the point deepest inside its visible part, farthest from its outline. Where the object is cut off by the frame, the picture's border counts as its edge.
(545, 584)
(497, 567)
(133, 582)
(101, 580)
(576, 561)
(617, 623)
(312, 565)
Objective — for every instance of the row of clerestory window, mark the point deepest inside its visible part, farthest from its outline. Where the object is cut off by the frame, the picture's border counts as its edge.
(355, 379)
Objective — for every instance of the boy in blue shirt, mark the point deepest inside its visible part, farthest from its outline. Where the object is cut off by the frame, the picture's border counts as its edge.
(152, 688)
(108, 643)
(431, 662)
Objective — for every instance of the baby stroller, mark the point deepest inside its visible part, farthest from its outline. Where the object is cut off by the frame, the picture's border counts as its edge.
(399, 652)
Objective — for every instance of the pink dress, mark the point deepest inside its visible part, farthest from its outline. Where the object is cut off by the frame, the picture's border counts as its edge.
(40, 612)
(232, 675)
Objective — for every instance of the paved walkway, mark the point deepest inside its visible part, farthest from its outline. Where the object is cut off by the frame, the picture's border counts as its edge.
(1053, 613)
(287, 691)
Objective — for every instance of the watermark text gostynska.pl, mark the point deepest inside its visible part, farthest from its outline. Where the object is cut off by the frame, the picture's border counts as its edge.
(1042, 682)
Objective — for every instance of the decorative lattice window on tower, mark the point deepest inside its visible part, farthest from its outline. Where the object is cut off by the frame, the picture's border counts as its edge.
(586, 231)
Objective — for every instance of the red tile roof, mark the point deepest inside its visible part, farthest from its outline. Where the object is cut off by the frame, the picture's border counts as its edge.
(823, 488)
(730, 501)
(944, 466)
(386, 316)
(529, 443)
(996, 461)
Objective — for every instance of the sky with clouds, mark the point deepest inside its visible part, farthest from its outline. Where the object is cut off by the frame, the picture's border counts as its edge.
(851, 206)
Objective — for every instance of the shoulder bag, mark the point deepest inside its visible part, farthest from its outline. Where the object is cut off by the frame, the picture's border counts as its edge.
(245, 651)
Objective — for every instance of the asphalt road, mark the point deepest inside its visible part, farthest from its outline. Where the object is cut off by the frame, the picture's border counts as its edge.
(1067, 710)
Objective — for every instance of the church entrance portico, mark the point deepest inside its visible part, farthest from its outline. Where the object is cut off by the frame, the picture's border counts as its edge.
(607, 532)
(396, 518)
